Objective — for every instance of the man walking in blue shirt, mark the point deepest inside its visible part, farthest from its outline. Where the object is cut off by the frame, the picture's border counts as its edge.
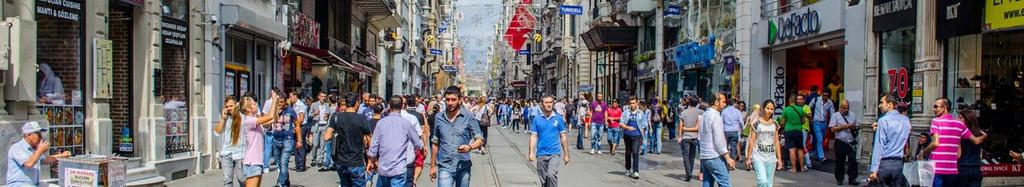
(713, 147)
(457, 132)
(389, 153)
(548, 142)
(890, 142)
(732, 118)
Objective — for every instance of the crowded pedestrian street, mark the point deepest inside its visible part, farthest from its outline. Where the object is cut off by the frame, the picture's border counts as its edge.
(491, 93)
(505, 165)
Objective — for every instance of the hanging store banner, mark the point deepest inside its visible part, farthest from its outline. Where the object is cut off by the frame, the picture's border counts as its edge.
(692, 55)
(521, 24)
(1001, 14)
(957, 18)
(571, 10)
(305, 31)
(893, 14)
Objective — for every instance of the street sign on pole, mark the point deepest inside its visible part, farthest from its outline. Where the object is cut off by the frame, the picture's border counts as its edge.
(436, 52)
(571, 10)
(524, 52)
(449, 68)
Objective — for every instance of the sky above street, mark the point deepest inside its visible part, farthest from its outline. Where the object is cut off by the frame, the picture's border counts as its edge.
(476, 32)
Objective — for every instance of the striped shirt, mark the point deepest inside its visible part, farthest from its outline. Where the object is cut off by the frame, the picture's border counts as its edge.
(949, 131)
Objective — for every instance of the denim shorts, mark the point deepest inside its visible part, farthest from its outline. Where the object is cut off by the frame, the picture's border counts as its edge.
(252, 170)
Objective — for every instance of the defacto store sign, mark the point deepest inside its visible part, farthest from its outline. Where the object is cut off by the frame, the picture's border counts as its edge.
(798, 24)
(1001, 14)
(805, 22)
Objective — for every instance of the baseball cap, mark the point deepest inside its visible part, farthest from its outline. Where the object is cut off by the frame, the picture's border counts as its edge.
(32, 127)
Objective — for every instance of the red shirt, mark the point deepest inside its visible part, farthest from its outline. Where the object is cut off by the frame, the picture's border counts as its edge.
(614, 114)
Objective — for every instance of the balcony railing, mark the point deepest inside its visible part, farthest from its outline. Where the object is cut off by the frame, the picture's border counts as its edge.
(772, 8)
(340, 48)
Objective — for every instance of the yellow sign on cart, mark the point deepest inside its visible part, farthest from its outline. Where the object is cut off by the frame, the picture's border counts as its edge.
(1001, 14)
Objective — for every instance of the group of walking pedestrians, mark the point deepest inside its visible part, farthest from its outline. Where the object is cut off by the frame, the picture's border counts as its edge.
(366, 138)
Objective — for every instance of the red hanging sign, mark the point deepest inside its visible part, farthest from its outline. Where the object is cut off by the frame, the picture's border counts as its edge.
(522, 23)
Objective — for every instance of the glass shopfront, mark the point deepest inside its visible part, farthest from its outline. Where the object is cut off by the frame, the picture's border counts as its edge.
(60, 73)
(174, 76)
(896, 71)
(985, 73)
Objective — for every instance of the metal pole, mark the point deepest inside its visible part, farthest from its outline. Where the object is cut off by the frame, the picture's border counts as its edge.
(659, 49)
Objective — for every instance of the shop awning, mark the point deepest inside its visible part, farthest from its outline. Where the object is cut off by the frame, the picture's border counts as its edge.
(605, 38)
(321, 56)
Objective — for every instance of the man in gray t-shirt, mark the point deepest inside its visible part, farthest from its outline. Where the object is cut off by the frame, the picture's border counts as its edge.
(690, 119)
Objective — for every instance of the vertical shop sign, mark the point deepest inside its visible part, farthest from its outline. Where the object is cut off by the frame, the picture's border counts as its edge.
(103, 71)
(1000, 14)
(917, 94)
(305, 31)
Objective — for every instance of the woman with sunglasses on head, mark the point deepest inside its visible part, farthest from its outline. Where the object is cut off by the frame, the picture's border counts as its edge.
(232, 144)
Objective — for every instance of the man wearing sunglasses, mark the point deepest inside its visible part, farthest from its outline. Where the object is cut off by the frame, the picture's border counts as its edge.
(25, 156)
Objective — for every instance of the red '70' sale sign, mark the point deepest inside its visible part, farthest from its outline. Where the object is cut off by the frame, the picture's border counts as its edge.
(899, 84)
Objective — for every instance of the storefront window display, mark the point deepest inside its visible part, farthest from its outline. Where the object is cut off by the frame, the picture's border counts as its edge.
(896, 72)
(60, 75)
(985, 73)
(174, 83)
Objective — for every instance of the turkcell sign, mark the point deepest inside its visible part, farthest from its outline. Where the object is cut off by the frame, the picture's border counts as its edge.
(571, 10)
(436, 52)
(673, 11)
(524, 52)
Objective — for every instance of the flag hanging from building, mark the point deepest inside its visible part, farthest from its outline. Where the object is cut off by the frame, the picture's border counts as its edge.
(521, 24)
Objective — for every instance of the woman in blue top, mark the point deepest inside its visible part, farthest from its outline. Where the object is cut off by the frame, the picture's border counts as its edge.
(526, 116)
(631, 122)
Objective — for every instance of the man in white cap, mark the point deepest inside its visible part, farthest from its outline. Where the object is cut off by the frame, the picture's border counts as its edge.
(25, 156)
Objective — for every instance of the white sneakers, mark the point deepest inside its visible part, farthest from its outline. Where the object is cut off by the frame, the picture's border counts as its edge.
(592, 151)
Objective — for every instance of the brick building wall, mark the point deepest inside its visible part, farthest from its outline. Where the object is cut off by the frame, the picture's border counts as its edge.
(59, 45)
(120, 104)
(174, 69)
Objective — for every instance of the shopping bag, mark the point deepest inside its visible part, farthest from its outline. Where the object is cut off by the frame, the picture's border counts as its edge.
(925, 172)
(910, 172)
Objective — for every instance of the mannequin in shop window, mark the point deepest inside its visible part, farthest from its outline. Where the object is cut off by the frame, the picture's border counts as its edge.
(51, 90)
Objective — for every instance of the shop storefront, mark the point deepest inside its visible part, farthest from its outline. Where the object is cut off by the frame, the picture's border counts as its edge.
(894, 25)
(61, 73)
(804, 49)
(984, 73)
(694, 60)
(173, 76)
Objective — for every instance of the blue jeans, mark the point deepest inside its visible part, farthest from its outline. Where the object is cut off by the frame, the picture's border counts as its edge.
(595, 136)
(715, 172)
(765, 172)
(233, 174)
(654, 138)
(614, 135)
(454, 176)
(328, 149)
(731, 138)
(579, 135)
(819, 135)
(268, 150)
(351, 176)
(284, 145)
(392, 181)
